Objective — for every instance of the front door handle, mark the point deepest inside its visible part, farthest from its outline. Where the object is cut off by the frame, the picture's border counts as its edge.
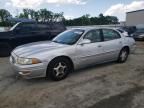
(99, 46)
(120, 42)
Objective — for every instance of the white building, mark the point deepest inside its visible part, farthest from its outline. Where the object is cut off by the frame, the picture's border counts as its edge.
(135, 18)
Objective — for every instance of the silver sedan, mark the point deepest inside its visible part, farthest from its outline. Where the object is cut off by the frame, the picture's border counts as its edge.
(71, 50)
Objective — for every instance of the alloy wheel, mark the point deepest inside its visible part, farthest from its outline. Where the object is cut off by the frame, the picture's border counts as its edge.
(60, 69)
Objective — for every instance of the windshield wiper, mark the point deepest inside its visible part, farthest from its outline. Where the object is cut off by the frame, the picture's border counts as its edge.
(55, 41)
(60, 42)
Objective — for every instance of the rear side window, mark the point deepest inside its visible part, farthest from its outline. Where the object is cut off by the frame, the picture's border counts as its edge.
(56, 26)
(110, 34)
(43, 26)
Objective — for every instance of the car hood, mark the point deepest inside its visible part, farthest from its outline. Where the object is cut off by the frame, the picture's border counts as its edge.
(138, 33)
(5, 34)
(37, 48)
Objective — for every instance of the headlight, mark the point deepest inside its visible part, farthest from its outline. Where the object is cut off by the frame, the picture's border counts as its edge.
(27, 61)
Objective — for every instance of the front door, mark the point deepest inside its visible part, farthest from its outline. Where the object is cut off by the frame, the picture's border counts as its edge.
(91, 53)
(27, 33)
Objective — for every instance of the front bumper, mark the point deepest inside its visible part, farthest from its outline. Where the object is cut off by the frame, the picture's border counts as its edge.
(29, 71)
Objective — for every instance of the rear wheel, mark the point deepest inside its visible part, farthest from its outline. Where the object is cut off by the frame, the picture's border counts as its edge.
(59, 69)
(123, 55)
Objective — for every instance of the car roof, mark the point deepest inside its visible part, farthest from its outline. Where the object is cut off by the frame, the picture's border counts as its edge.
(93, 28)
(49, 23)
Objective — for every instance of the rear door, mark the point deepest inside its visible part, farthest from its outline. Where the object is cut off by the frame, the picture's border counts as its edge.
(44, 31)
(112, 44)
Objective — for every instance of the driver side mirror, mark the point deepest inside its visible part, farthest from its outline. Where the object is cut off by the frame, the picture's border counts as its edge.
(85, 41)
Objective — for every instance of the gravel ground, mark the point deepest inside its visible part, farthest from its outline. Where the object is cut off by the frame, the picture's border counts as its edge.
(109, 85)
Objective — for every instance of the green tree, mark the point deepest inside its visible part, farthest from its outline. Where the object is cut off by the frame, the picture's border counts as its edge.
(36, 16)
(4, 15)
(21, 15)
(43, 15)
(49, 16)
(32, 13)
(58, 17)
(94, 20)
(101, 19)
(114, 20)
(26, 13)
(87, 20)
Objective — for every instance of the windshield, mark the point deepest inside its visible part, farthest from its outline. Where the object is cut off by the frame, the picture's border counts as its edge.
(141, 30)
(13, 27)
(121, 31)
(69, 37)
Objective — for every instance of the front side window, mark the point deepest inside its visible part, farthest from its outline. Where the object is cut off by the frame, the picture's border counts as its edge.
(28, 28)
(69, 37)
(13, 27)
(110, 34)
(93, 36)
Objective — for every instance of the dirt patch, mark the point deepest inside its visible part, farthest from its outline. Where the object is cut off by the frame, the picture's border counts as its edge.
(123, 100)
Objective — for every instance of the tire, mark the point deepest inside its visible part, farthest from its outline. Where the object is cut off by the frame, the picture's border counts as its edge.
(124, 53)
(5, 49)
(59, 69)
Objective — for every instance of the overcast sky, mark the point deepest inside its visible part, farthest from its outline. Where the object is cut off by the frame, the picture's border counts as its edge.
(76, 8)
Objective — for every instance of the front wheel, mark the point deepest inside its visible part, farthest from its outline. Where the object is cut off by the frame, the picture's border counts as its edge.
(59, 69)
(123, 55)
